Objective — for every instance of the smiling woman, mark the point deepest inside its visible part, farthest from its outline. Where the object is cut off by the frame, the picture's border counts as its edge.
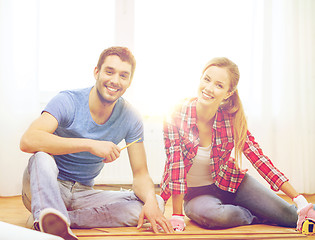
(173, 39)
(48, 46)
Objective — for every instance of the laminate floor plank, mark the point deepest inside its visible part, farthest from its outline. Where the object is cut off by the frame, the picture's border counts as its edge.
(13, 211)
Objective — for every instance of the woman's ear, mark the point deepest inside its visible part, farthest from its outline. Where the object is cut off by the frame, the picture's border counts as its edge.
(229, 94)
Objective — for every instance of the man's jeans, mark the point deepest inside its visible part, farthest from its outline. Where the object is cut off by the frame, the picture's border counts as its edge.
(83, 206)
(253, 203)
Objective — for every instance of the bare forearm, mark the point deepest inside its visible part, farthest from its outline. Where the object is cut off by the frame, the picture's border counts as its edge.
(288, 189)
(144, 188)
(36, 141)
(177, 200)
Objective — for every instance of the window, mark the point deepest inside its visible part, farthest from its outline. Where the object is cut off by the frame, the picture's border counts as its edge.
(175, 39)
(72, 34)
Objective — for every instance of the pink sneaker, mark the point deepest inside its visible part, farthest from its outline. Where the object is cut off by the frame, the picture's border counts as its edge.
(307, 218)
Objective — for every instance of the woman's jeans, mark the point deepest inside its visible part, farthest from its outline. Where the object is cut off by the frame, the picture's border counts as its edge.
(253, 203)
(83, 206)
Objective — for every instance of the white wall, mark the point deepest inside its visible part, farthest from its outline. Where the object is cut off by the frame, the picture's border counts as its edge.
(43, 46)
(119, 172)
(18, 90)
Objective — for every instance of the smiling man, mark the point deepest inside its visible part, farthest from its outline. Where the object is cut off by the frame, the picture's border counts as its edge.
(77, 132)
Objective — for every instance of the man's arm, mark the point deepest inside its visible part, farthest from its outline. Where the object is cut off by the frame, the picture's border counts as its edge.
(39, 137)
(144, 189)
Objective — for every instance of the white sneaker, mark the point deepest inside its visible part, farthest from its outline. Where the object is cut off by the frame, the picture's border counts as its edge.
(30, 223)
(54, 222)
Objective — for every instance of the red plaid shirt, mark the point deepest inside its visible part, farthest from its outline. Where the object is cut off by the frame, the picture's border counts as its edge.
(181, 144)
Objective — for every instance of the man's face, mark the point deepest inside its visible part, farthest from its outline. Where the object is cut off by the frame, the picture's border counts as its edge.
(113, 79)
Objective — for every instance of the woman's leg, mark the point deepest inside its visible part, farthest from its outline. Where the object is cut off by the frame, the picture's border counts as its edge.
(264, 203)
(210, 212)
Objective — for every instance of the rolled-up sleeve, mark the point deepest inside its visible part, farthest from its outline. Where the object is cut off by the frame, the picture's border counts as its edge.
(173, 181)
(263, 164)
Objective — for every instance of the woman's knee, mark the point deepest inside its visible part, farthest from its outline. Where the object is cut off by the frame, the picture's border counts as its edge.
(218, 215)
(204, 210)
(209, 217)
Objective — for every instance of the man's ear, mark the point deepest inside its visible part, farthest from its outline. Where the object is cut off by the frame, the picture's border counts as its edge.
(96, 71)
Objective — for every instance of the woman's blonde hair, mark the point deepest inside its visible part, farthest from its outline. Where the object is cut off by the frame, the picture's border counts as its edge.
(233, 104)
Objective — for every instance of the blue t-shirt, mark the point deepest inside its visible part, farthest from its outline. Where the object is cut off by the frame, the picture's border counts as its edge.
(71, 109)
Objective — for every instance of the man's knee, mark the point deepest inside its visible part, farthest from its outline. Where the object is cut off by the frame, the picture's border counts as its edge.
(42, 160)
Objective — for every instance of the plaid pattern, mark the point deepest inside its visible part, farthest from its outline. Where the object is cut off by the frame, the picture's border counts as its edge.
(181, 144)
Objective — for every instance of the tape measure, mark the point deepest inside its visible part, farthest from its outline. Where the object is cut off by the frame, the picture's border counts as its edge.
(308, 226)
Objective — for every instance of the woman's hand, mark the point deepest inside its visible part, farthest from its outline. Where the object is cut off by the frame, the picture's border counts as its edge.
(305, 213)
(178, 222)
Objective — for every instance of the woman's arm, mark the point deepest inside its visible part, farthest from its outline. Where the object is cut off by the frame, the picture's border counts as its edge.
(177, 201)
(172, 174)
(297, 198)
(263, 164)
(277, 180)
(288, 190)
(173, 181)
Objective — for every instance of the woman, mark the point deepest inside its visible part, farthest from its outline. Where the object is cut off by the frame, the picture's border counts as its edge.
(199, 172)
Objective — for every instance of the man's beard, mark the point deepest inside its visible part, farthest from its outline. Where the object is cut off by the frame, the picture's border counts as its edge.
(104, 100)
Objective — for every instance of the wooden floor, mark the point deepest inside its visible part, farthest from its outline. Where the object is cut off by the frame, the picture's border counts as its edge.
(13, 211)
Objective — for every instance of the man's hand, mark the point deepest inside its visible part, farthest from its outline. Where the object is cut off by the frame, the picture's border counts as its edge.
(104, 149)
(155, 217)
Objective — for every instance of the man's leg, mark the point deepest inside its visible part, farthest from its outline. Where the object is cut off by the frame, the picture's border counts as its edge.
(41, 195)
(97, 208)
(209, 212)
(264, 203)
(40, 185)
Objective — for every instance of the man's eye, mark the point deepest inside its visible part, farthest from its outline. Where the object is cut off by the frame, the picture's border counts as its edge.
(109, 72)
(125, 76)
(207, 79)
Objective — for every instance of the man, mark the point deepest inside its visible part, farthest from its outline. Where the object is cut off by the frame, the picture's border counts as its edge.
(75, 135)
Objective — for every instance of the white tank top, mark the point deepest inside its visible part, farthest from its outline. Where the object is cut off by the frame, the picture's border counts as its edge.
(199, 174)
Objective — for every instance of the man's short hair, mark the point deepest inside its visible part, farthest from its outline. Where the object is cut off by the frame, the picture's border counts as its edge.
(123, 53)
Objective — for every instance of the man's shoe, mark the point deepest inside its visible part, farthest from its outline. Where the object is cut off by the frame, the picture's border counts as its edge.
(54, 222)
(30, 223)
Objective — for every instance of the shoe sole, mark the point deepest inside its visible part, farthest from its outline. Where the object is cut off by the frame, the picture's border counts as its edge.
(53, 223)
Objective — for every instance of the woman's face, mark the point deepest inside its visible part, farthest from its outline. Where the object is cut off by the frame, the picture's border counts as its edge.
(214, 87)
